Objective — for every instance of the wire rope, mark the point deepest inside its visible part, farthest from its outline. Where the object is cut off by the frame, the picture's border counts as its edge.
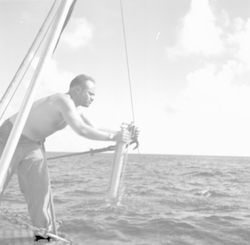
(132, 107)
(127, 63)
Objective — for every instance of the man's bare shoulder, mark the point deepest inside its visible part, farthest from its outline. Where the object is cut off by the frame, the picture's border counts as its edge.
(60, 99)
(59, 96)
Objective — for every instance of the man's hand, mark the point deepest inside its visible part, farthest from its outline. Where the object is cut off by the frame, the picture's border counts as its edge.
(126, 136)
(135, 133)
(122, 136)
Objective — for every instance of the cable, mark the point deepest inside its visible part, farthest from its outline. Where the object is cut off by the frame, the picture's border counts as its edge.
(127, 61)
(132, 104)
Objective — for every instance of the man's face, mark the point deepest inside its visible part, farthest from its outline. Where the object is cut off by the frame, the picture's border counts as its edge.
(87, 94)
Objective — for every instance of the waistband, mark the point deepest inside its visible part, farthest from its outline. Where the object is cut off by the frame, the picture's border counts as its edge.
(5, 130)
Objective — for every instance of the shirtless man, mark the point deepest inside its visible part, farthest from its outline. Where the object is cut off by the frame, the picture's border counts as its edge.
(47, 116)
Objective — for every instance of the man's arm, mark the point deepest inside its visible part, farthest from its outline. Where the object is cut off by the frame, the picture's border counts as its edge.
(84, 127)
(107, 130)
(88, 122)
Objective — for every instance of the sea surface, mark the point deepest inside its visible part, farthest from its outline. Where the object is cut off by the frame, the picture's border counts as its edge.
(163, 199)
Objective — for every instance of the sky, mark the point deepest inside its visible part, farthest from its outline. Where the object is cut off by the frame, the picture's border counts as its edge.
(188, 66)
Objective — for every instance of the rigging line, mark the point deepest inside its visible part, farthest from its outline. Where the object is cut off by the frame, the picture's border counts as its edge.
(127, 62)
(92, 151)
(28, 66)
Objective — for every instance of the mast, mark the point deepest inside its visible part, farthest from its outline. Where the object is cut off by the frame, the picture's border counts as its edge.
(10, 90)
(33, 88)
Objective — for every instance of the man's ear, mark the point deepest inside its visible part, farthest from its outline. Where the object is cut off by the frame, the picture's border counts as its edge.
(78, 89)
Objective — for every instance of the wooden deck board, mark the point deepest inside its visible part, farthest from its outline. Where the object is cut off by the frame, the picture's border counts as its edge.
(21, 237)
(16, 236)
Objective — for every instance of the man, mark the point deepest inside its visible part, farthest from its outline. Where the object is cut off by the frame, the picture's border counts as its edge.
(47, 116)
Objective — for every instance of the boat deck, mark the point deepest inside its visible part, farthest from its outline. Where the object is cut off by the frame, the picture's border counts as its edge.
(16, 236)
(21, 237)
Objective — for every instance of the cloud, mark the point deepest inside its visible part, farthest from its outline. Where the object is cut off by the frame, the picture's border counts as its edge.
(215, 93)
(55, 80)
(221, 87)
(78, 33)
(241, 38)
(211, 116)
(199, 33)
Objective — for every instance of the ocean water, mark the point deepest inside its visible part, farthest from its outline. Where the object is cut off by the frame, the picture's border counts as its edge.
(164, 199)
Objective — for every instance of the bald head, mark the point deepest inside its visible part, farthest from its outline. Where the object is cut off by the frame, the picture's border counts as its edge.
(81, 80)
(82, 90)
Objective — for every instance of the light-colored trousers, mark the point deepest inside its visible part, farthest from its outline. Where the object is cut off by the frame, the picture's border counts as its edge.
(30, 163)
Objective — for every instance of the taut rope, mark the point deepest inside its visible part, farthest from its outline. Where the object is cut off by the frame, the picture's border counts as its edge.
(92, 151)
(127, 61)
